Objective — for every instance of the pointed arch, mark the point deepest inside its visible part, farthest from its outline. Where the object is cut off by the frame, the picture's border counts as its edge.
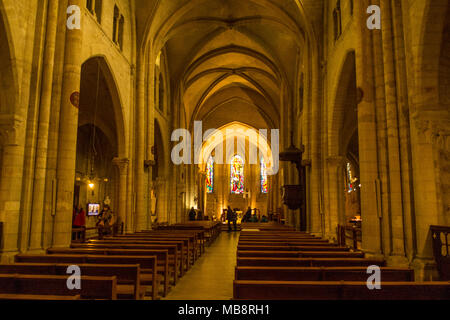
(8, 77)
(117, 104)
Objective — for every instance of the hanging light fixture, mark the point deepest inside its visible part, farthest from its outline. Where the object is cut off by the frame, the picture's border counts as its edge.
(92, 150)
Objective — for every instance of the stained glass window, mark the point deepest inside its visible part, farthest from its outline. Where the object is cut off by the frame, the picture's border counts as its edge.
(264, 188)
(237, 175)
(210, 176)
(349, 178)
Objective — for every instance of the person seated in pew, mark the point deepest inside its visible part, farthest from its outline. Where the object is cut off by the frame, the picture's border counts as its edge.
(254, 218)
(248, 215)
(264, 219)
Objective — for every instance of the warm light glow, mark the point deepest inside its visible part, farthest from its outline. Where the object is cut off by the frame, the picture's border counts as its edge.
(91, 185)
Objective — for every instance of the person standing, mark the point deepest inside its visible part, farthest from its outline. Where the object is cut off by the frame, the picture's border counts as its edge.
(80, 219)
(248, 215)
(192, 214)
(229, 218)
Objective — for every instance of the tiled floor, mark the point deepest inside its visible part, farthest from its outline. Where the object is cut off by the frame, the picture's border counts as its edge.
(211, 277)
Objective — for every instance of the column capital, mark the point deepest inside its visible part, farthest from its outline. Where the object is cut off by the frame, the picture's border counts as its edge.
(122, 164)
(9, 125)
(337, 161)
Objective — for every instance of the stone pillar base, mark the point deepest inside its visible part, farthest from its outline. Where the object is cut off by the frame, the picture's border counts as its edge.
(36, 251)
(7, 257)
(373, 255)
(425, 269)
(398, 261)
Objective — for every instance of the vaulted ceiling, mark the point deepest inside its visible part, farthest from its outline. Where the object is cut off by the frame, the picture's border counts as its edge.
(230, 59)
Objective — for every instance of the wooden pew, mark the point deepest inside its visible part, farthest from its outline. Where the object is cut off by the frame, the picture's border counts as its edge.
(189, 239)
(198, 233)
(183, 249)
(183, 246)
(339, 290)
(308, 262)
(148, 265)
(174, 257)
(292, 240)
(288, 243)
(299, 254)
(291, 248)
(162, 257)
(320, 274)
(196, 238)
(4, 296)
(104, 288)
(210, 229)
(128, 276)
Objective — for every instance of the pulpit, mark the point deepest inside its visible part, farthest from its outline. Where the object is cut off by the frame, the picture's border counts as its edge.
(294, 196)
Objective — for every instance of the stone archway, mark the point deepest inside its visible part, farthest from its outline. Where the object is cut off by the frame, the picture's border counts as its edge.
(101, 150)
(342, 125)
(430, 126)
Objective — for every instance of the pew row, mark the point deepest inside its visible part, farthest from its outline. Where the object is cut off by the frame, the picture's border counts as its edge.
(338, 290)
(128, 276)
(148, 265)
(320, 274)
(162, 258)
(92, 288)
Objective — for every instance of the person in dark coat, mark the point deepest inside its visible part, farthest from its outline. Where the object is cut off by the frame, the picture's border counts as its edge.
(229, 218)
(234, 220)
(192, 214)
(248, 215)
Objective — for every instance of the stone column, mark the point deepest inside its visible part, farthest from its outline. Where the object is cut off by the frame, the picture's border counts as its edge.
(37, 212)
(11, 132)
(140, 147)
(122, 165)
(397, 254)
(336, 165)
(367, 131)
(68, 135)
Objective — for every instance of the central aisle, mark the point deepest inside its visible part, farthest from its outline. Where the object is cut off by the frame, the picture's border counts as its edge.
(211, 277)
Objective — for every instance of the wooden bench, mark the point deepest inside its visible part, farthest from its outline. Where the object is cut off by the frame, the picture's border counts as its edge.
(320, 274)
(162, 258)
(279, 241)
(291, 248)
(339, 290)
(128, 276)
(182, 247)
(287, 244)
(148, 265)
(101, 288)
(196, 238)
(4, 296)
(308, 262)
(174, 261)
(198, 234)
(189, 239)
(299, 254)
